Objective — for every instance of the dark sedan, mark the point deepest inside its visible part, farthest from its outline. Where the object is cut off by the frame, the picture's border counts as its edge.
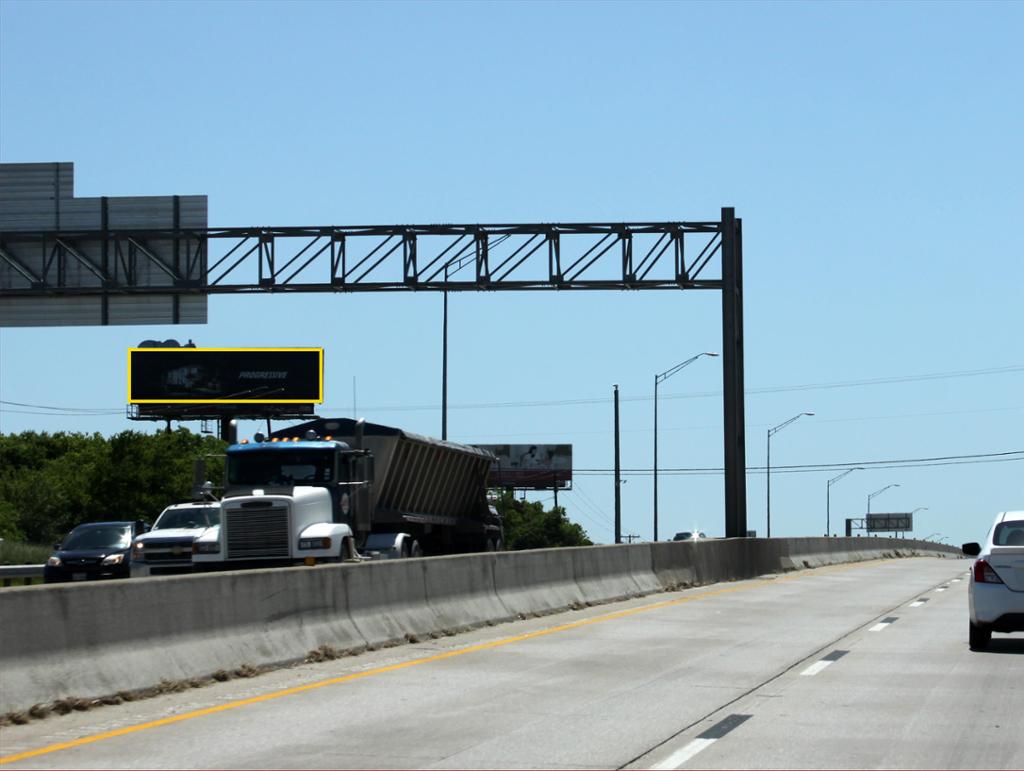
(92, 551)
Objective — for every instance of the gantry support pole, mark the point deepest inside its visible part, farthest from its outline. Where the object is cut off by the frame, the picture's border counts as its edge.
(732, 376)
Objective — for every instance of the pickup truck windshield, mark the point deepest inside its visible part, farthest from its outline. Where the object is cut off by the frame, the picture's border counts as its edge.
(299, 467)
(198, 516)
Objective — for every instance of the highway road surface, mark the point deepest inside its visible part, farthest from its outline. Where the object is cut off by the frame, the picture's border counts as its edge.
(852, 666)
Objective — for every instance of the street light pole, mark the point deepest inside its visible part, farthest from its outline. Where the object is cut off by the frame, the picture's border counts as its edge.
(919, 508)
(771, 433)
(618, 480)
(657, 380)
(459, 262)
(828, 497)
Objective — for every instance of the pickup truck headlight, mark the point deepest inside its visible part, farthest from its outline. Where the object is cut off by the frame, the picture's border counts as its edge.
(113, 559)
(314, 543)
(54, 561)
(206, 547)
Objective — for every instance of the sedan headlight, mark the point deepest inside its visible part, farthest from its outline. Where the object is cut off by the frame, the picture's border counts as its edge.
(113, 559)
(54, 561)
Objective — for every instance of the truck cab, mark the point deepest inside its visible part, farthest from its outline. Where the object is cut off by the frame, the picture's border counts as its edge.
(296, 501)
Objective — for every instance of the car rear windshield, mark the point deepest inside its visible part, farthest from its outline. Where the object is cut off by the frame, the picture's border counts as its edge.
(1009, 534)
(100, 537)
(198, 516)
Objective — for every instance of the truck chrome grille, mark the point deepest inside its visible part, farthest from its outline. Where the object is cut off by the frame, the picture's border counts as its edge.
(169, 551)
(257, 532)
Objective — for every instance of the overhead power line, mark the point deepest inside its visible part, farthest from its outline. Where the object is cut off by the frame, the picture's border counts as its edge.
(600, 400)
(946, 460)
(702, 394)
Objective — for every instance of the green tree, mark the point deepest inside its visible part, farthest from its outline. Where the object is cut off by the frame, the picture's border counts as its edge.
(528, 525)
(51, 482)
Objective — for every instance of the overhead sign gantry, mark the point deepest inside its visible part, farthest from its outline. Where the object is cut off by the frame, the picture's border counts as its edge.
(62, 260)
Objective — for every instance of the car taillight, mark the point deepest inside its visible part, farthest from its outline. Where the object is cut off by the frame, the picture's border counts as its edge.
(984, 574)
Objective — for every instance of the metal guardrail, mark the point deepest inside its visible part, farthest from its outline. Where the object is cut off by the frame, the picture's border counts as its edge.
(11, 573)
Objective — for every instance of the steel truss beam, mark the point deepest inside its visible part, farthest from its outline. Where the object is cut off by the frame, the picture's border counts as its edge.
(645, 255)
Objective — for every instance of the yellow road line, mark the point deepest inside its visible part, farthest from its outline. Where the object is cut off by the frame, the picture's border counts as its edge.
(406, 664)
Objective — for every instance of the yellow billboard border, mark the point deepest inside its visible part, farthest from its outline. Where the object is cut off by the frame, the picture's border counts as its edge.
(318, 400)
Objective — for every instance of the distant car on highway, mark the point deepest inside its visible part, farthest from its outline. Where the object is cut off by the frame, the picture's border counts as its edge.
(93, 551)
(688, 535)
(167, 548)
(996, 588)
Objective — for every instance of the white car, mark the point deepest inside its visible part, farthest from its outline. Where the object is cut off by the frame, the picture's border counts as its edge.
(996, 588)
(167, 547)
(687, 535)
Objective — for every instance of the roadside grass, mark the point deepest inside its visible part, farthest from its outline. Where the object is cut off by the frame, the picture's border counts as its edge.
(16, 553)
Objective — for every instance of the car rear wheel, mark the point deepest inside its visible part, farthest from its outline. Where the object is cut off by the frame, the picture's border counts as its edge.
(979, 637)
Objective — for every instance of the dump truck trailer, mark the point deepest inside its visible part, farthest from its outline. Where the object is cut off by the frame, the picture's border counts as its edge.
(336, 488)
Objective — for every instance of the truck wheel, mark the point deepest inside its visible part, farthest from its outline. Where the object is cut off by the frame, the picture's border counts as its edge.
(499, 545)
(348, 550)
(415, 550)
(489, 546)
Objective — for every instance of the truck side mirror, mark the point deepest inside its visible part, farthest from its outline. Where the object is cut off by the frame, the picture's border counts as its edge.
(971, 549)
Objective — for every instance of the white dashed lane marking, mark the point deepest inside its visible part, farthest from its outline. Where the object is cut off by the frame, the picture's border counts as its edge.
(702, 742)
(817, 666)
(883, 624)
(919, 603)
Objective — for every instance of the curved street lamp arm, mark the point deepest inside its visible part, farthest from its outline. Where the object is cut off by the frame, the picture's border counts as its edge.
(670, 372)
(773, 431)
(833, 480)
(879, 492)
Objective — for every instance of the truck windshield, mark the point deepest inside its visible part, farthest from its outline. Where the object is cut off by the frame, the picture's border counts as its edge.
(298, 467)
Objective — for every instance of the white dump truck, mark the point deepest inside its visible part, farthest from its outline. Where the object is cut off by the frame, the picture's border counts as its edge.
(337, 489)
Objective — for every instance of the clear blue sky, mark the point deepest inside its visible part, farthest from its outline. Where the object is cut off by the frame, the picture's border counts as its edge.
(873, 152)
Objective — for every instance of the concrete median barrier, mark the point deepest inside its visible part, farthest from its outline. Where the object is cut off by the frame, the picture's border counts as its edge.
(605, 573)
(91, 640)
(386, 601)
(536, 582)
(461, 592)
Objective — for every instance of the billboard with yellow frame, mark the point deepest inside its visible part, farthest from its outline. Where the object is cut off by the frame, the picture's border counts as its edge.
(225, 375)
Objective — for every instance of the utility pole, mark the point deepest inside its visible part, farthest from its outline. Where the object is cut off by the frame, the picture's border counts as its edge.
(618, 481)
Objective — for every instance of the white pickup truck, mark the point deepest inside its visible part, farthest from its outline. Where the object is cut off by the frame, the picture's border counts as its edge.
(167, 547)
